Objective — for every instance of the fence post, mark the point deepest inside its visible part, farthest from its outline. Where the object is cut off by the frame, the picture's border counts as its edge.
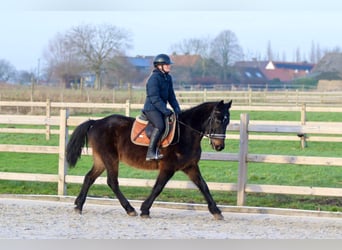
(243, 166)
(48, 115)
(249, 96)
(128, 107)
(302, 122)
(63, 140)
(129, 88)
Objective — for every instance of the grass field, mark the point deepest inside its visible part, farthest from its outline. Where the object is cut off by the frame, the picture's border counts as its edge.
(278, 174)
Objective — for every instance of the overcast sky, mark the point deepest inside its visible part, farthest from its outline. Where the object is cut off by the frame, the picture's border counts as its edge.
(27, 26)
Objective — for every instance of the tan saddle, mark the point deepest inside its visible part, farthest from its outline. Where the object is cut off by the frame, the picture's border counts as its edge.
(142, 130)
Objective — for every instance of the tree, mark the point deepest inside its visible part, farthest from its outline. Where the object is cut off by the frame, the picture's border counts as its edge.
(313, 51)
(192, 46)
(63, 61)
(225, 50)
(7, 70)
(298, 55)
(98, 45)
(195, 46)
(270, 56)
(25, 77)
(318, 53)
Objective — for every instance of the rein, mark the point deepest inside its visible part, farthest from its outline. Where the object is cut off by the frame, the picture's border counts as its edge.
(208, 135)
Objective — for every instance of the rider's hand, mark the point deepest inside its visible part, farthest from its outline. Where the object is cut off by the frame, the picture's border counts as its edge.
(168, 112)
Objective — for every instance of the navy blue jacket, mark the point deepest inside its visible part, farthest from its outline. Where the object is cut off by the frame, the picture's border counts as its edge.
(159, 92)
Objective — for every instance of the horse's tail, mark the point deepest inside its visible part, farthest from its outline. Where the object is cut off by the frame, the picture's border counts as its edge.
(77, 140)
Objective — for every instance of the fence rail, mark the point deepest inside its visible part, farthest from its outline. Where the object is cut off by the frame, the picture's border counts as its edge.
(128, 107)
(244, 127)
(251, 97)
(284, 98)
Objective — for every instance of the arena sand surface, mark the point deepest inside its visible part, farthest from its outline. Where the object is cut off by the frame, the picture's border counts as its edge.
(46, 219)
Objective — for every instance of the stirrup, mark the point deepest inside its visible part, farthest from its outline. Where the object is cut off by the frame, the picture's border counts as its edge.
(154, 157)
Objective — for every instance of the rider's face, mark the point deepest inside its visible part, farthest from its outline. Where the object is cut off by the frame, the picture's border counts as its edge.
(165, 68)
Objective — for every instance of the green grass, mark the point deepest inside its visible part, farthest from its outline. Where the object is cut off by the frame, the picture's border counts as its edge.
(213, 171)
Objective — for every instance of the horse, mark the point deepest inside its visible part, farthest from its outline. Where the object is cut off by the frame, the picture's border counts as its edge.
(109, 138)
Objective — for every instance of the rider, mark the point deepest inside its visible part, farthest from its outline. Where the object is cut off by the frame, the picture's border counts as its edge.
(159, 92)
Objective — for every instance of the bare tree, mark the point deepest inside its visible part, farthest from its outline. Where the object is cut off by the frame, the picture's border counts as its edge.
(195, 46)
(225, 50)
(7, 71)
(318, 53)
(24, 77)
(97, 45)
(62, 60)
(192, 46)
(313, 51)
(269, 52)
(298, 55)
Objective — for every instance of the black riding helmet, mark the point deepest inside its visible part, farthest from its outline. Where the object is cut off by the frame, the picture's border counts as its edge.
(161, 59)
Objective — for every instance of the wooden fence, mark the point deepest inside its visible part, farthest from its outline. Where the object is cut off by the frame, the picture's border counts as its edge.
(275, 98)
(244, 127)
(128, 107)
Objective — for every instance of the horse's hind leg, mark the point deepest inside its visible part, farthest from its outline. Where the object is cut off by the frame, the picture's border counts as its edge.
(89, 180)
(195, 175)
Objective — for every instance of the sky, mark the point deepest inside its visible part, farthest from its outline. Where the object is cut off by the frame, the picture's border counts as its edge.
(26, 27)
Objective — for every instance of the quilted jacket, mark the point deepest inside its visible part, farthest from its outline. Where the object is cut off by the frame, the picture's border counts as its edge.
(159, 92)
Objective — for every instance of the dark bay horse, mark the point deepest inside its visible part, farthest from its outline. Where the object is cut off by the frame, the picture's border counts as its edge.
(109, 138)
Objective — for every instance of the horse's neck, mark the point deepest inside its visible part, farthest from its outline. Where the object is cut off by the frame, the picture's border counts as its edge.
(197, 121)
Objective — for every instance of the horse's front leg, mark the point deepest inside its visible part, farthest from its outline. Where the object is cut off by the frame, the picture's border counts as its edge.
(163, 177)
(113, 183)
(195, 175)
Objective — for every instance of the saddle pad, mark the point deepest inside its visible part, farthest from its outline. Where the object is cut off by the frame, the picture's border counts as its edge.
(139, 136)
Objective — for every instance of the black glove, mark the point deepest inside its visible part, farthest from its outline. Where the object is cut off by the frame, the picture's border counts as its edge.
(168, 112)
(177, 111)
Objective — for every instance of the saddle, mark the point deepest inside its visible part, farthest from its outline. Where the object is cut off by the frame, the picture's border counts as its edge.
(142, 130)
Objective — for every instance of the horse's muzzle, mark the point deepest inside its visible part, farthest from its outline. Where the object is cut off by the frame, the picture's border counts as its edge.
(219, 147)
(216, 144)
(217, 141)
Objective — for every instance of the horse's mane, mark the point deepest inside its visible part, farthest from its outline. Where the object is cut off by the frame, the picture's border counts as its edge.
(205, 106)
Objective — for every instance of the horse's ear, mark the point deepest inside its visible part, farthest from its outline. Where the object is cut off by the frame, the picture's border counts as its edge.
(220, 104)
(229, 104)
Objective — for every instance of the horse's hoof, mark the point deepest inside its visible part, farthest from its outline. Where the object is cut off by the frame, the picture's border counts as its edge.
(132, 213)
(78, 210)
(145, 216)
(218, 217)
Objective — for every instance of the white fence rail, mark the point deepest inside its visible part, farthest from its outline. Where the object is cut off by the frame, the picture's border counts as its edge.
(275, 98)
(244, 127)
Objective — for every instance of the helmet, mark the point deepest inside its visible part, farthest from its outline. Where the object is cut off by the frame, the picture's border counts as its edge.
(161, 59)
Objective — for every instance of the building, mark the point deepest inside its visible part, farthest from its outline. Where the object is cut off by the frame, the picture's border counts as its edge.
(281, 71)
(263, 74)
(287, 71)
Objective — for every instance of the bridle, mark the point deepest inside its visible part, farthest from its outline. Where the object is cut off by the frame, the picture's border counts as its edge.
(211, 120)
(208, 134)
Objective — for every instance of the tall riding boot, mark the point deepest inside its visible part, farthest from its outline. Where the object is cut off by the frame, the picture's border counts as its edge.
(152, 151)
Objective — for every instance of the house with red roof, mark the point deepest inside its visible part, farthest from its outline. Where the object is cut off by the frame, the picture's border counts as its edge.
(286, 71)
(280, 71)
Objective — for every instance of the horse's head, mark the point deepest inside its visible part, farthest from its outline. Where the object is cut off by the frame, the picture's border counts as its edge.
(217, 125)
